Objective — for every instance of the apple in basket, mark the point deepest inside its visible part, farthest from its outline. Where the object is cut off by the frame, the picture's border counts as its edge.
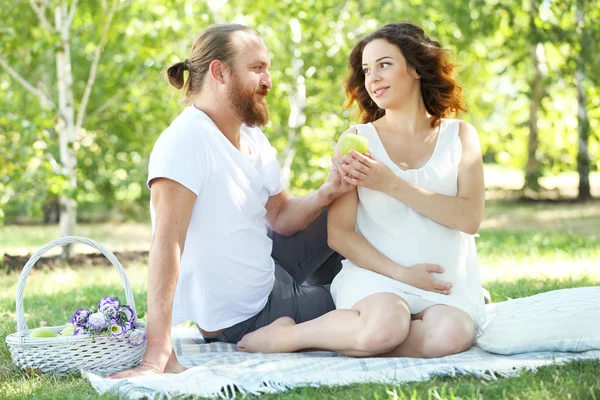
(42, 333)
(68, 331)
(354, 142)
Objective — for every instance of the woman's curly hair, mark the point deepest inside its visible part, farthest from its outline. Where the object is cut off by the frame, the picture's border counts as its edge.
(442, 93)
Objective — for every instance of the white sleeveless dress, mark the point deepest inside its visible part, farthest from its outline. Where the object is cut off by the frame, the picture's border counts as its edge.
(410, 238)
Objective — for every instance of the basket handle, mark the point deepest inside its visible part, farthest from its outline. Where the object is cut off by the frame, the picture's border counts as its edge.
(21, 324)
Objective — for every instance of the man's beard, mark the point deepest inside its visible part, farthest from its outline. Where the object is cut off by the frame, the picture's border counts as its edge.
(251, 111)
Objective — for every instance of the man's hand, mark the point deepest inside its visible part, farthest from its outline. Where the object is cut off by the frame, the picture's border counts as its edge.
(147, 368)
(144, 369)
(335, 185)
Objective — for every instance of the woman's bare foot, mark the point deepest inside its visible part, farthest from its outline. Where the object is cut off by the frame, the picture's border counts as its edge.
(173, 366)
(268, 339)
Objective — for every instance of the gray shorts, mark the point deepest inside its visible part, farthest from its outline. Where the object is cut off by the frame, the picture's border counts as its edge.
(304, 268)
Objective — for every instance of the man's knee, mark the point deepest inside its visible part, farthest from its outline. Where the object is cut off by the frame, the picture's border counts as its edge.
(313, 301)
(327, 271)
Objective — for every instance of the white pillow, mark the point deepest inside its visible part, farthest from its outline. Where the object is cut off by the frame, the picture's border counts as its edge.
(560, 320)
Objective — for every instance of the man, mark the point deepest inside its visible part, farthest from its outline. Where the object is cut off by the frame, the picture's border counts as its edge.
(214, 182)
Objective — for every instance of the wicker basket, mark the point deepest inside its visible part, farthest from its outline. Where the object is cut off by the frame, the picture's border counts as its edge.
(64, 354)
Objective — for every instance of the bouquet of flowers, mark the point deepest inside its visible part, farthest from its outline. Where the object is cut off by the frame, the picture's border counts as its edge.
(110, 319)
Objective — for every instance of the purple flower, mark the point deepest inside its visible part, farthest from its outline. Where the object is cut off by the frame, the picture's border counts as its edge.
(97, 322)
(118, 332)
(80, 317)
(79, 331)
(137, 337)
(109, 306)
(129, 316)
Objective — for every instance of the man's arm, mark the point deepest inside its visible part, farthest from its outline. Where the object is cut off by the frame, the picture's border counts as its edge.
(287, 215)
(173, 204)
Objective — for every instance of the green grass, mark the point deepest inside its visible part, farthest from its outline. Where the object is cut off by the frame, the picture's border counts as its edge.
(21, 240)
(524, 249)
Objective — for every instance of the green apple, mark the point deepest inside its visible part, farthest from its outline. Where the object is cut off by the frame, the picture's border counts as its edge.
(68, 331)
(42, 333)
(351, 141)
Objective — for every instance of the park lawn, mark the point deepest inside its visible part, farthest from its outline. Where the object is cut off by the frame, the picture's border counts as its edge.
(524, 249)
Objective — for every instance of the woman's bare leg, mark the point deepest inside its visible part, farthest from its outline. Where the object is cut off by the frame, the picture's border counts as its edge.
(437, 331)
(375, 325)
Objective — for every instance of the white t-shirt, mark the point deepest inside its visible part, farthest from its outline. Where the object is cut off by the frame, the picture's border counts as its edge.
(227, 272)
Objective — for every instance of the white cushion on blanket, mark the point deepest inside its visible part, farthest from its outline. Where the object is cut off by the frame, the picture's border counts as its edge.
(560, 320)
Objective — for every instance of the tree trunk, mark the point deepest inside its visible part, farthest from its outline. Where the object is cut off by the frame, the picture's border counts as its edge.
(583, 124)
(532, 169)
(66, 125)
(297, 101)
(51, 210)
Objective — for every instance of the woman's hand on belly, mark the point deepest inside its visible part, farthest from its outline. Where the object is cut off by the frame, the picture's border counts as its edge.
(420, 276)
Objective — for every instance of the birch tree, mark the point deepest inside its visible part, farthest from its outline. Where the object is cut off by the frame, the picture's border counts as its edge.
(538, 60)
(583, 125)
(69, 115)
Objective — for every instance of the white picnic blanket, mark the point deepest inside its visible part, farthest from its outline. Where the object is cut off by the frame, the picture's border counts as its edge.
(548, 328)
(218, 370)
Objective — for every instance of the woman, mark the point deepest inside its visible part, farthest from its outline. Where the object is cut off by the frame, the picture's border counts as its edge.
(410, 286)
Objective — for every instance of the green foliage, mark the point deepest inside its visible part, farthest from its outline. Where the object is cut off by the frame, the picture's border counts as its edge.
(309, 43)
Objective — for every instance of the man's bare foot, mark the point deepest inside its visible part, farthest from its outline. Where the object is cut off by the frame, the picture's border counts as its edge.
(268, 339)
